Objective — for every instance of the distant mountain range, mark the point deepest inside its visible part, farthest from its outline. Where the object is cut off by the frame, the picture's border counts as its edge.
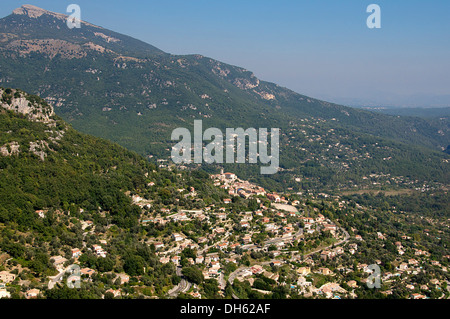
(397, 101)
(116, 87)
(425, 112)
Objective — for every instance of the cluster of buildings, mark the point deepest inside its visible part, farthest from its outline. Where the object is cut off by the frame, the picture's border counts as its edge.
(236, 187)
(284, 227)
(230, 233)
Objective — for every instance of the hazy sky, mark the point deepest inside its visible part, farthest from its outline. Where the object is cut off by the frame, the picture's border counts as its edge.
(321, 48)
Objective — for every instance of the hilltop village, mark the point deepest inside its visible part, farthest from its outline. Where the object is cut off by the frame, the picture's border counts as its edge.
(286, 246)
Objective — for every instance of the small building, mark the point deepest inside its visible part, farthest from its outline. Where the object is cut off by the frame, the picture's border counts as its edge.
(176, 260)
(325, 271)
(230, 176)
(115, 293)
(403, 266)
(58, 261)
(199, 260)
(124, 278)
(244, 224)
(76, 253)
(418, 296)
(275, 263)
(302, 282)
(177, 237)
(6, 277)
(304, 271)
(274, 198)
(87, 271)
(32, 293)
(256, 269)
(4, 294)
(247, 239)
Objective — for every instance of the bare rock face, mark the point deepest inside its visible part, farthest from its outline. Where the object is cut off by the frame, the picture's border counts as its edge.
(36, 12)
(35, 110)
(39, 149)
(246, 84)
(17, 101)
(10, 149)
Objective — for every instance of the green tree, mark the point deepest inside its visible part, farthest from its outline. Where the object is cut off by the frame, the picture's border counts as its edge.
(193, 274)
(134, 265)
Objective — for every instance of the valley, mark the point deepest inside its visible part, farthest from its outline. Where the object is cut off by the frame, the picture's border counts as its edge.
(92, 198)
(121, 89)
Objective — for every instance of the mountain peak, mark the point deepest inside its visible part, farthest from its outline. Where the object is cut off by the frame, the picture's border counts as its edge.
(35, 12)
(33, 29)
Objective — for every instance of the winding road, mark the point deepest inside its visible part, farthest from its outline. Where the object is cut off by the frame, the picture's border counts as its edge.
(183, 286)
(235, 273)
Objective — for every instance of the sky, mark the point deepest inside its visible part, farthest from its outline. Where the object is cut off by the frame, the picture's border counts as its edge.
(320, 48)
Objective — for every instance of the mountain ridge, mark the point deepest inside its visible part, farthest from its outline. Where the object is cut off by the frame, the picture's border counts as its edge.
(122, 89)
(24, 19)
(110, 42)
(35, 12)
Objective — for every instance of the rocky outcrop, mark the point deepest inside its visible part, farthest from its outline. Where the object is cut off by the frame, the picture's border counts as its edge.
(35, 12)
(17, 101)
(10, 149)
(39, 149)
(36, 110)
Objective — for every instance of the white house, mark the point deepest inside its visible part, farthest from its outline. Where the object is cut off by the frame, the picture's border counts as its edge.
(4, 294)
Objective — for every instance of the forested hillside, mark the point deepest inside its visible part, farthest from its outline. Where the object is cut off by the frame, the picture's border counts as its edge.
(121, 89)
(48, 164)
